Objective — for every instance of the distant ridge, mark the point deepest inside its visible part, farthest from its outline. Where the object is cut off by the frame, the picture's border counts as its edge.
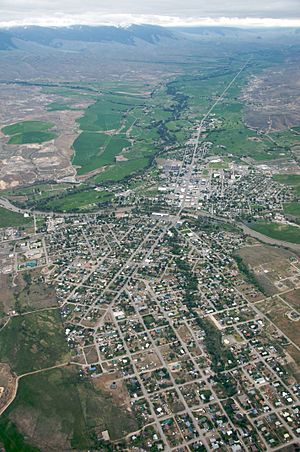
(52, 36)
(6, 41)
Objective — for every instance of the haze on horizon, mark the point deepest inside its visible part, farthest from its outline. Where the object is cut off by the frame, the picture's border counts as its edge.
(161, 12)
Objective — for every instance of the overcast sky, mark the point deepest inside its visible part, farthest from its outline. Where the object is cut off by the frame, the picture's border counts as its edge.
(164, 12)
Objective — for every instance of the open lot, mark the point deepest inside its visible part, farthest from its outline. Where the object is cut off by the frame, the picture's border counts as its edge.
(278, 313)
(291, 180)
(27, 292)
(274, 268)
(12, 219)
(33, 341)
(278, 231)
(59, 410)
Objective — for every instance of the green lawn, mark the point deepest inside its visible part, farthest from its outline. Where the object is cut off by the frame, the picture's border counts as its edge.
(33, 341)
(12, 219)
(278, 231)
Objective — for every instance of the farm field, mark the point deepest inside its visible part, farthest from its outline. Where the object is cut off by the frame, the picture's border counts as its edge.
(29, 132)
(121, 170)
(94, 150)
(35, 194)
(26, 126)
(59, 106)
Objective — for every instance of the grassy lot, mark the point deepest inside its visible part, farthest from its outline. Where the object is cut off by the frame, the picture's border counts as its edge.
(292, 180)
(29, 132)
(33, 341)
(121, 170)
(26, 292)
(278, 231)
(62, 411)
(80, 200)
(292, 208)
(12, 439)
(35, 194)
(12, 219)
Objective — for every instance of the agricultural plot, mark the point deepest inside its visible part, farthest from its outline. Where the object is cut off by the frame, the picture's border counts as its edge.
(94, 150)
(119, 124)
(107, 113)
(59, 106)
(121, 170)
(29, 132)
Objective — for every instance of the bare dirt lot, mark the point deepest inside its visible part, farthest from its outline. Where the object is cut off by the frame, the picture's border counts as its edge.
(274, 268)
(278, 312)
(27, 292)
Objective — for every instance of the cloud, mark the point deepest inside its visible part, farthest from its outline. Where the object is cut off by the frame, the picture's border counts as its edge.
(163, 12)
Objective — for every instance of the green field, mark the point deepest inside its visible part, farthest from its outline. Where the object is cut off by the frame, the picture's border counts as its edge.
(291, 180)
(107, 113)
(121, 170)
(26, 126)
(33, 341)
(31, 137)
(62, 411)
(292, 208)
(93, 150)
(59, 106)
(12, 219)
(29, 132)
(278, 231)
(78, 201)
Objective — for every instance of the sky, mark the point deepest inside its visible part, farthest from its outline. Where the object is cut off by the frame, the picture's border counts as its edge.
(160, 12)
